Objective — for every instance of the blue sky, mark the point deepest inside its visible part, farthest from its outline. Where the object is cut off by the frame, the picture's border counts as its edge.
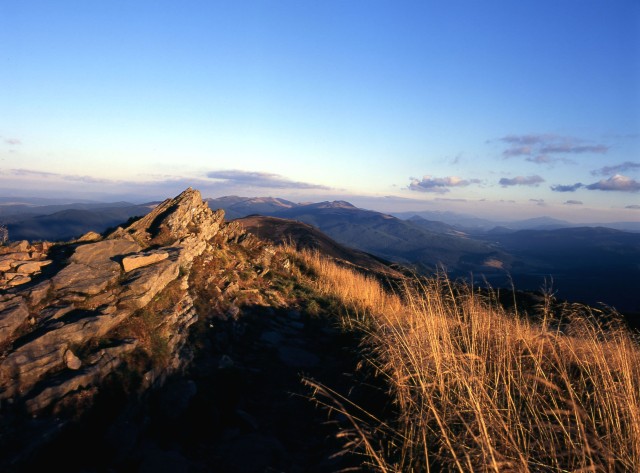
(498, 108)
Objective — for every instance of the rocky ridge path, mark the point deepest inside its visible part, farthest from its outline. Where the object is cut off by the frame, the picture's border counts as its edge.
(175, 344)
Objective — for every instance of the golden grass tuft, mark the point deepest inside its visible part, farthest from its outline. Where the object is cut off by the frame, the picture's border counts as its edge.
(477, 388)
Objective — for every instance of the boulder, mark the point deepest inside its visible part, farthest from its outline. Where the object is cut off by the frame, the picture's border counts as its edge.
(71, 360)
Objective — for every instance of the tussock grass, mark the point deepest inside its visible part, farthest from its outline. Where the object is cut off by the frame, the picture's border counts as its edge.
(477, 388)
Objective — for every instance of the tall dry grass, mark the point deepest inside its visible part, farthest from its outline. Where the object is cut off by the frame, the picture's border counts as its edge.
(479, 389)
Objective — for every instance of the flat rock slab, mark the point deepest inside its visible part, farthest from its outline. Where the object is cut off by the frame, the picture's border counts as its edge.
(144, 283)
(93, 266)
(84, 279)
(101, 254)
(129, 263)
(13, 313)
(31, 267)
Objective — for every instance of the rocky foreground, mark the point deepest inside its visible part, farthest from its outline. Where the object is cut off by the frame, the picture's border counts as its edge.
(174, 344)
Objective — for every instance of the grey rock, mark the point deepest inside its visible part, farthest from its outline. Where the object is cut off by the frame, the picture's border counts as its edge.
(13, 313)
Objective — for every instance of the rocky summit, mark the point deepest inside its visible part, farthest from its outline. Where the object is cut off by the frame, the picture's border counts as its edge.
(171, 344)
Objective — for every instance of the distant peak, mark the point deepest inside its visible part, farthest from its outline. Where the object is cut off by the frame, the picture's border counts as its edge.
(336, 204)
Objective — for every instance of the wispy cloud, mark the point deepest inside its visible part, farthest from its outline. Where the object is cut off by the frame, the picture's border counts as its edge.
(569, 148)
(439, 185)
(153, 186)
(573, 202)
(539, 202)
(56, 176)
(531, 139)
(13, 141)
(521, 181)
(546, 159)
(618, 168)
(567, 188)
(633, 206)
(517, 151)
(616, 183)
(261, 179)
(542, 148)
(443, 199)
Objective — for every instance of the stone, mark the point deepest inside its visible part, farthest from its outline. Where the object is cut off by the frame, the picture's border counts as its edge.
(6, 264)
(101, 255)
(89, 236)
(31, 267)
(39, 292)
(72, 361)
(27, 364)
(20, 246)
(102, 364)
(13, 313)
(17, 280)
(12, 258)
(55, 312)
(177, 218)
(129, 263)
(144, 283)
(93, 267)
(103, 283)
(83, 279)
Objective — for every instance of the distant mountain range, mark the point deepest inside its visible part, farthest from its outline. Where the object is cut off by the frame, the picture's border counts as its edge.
(586, 263)
(473, 224)
(65, 221)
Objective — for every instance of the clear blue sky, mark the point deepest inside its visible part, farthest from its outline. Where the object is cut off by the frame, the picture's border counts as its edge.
(516, 108)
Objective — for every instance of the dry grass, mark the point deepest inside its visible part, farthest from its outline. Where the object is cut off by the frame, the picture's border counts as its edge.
(480, 389)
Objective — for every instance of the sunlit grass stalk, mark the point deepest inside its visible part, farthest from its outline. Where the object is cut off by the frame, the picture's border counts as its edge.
(479, 389)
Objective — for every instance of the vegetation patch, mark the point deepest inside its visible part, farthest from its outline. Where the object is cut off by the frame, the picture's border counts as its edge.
(480, 388)
(148, 327)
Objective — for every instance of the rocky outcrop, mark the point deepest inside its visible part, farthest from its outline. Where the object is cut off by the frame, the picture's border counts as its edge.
(20, 262)
(53, 326)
